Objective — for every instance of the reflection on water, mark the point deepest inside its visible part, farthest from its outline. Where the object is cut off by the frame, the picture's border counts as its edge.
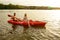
(51, 32)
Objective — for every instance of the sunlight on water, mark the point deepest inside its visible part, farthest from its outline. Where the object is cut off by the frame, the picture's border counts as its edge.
(52, 31)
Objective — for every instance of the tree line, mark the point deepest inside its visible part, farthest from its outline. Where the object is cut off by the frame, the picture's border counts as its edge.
(11, 6)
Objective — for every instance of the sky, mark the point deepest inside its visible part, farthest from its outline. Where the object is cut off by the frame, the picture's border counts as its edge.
(52, 3)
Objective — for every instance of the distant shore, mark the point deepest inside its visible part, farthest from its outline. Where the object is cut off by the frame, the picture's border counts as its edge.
(18, 7)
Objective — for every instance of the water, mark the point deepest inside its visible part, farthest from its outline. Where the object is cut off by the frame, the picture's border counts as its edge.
(51, 32)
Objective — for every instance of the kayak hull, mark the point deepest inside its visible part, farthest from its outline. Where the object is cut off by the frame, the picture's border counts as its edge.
(27, 24)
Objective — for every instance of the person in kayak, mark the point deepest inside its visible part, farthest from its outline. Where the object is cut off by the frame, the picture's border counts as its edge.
(14, 27)
(14, 19)
(25, 19)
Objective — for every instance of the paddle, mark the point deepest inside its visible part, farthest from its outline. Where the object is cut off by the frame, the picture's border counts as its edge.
(14, 17)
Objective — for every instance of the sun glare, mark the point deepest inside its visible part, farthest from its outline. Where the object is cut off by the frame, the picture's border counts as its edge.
(53, 3)
(55, 15)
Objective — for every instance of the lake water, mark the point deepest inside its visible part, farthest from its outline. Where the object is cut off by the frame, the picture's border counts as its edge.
(51, 32)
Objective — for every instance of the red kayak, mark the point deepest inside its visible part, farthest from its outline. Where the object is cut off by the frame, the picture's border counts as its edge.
(31, 23)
